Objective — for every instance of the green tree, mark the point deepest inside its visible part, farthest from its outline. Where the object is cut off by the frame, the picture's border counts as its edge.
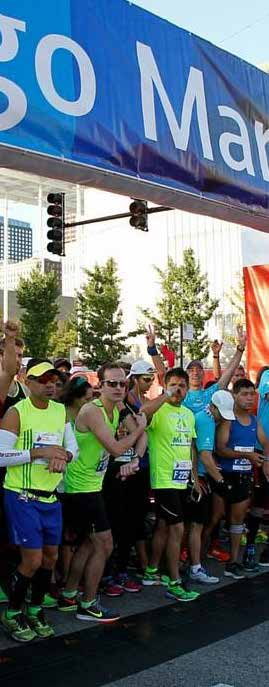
(185, 299)
(64, 338)
(99, 316)
(37, 296)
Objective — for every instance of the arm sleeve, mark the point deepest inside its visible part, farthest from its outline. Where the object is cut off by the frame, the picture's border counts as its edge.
(9, 456)
(70, 442)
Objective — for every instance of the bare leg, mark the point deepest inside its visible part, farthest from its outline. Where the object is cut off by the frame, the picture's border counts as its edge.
(195, 543)
(78, 563)
(159, 541)
(102, 546)
(238, 513)
(175, 534)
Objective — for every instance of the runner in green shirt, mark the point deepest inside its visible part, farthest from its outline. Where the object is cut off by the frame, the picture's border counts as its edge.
(96, 426)
(35, 446)
(171, 434)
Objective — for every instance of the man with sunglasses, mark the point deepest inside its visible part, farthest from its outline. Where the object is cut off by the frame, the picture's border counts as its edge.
(35, 444)
(96, 426)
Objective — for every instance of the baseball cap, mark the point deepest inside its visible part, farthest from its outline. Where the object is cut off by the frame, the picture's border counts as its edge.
(40, 369)
(224, 402)
(62, 361)
(194, 363)
(141, 367)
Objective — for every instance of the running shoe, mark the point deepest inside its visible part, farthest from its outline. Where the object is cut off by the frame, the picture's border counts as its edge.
(249, 560)
(127, 584)
(67, 605)
(50, 601)
(264, 558)
(151, 577)
(203, 576)
(17, 627)
(218, 554)
(261, 537)
(3, 596)
(96, 613)
(111, 588)
(235, 570)
(165, 580)
(39, 625)
(175, 591)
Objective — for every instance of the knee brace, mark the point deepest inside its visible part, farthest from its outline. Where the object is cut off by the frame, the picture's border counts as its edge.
(237, 529)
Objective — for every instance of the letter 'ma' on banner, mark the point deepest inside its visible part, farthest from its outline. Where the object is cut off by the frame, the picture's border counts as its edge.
(256, 280)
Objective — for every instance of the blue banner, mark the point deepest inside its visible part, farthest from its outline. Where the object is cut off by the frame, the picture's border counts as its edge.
(104, 93)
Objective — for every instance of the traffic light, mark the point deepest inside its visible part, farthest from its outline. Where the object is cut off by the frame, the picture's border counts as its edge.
(139, 214)
(56, 223)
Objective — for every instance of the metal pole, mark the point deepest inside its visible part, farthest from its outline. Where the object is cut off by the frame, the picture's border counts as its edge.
(122, 215)
(181, 344)
(41, 238)
(5, 261)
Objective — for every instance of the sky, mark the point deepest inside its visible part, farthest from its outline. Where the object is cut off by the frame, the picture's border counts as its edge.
(238, 26)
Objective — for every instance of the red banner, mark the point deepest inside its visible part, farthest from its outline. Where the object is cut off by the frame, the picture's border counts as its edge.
(256, 280)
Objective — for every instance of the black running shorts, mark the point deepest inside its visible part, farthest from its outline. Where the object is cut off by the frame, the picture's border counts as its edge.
(238, 486)
(170, 505)
(84, 514)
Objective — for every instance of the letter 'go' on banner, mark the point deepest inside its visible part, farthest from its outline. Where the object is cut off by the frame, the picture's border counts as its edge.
(116, 98)
(255, 250)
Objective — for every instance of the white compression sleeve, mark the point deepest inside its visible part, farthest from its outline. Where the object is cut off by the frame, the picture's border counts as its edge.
(70, 442)
(10, 456)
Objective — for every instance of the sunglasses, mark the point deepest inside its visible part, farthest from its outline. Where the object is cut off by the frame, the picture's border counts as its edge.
(148, 378)
(45, 378)
(113, 384)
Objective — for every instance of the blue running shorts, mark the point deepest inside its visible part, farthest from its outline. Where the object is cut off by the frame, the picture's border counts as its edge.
(32, 524)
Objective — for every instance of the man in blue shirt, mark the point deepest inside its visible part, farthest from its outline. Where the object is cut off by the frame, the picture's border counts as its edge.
(197, 397)
(220, 408)
(261, 486)
(236, 450)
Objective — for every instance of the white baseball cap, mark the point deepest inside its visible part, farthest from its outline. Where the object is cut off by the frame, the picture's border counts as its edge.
(141, 367)
(224, 402)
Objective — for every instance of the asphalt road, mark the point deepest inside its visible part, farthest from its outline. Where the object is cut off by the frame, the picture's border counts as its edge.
(220, 639)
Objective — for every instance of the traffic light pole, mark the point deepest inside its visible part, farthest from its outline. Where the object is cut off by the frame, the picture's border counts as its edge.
(107, 218)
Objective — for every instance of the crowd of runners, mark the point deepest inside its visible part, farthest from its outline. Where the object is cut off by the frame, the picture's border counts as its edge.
(108, 488)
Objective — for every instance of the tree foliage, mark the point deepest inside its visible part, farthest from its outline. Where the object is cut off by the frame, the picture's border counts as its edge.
(99, 316)
(64, 338)
(37, 296)
(184, 299)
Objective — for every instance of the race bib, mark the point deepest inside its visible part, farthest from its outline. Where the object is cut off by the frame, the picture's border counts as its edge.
(126, 457)
(103, 463)
(41, 439)
(242, 464)
(181, 471)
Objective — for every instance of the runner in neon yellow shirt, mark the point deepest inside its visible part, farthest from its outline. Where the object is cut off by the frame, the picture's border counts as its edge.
(171, 434)
(36, 443)
(96, 426)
